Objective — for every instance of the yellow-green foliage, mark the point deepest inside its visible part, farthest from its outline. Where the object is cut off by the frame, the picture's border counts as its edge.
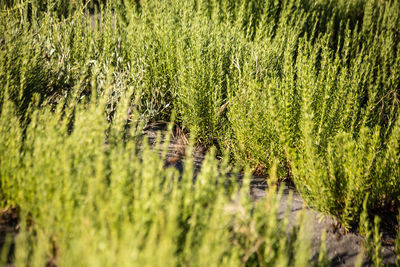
(372, 243)
(87, 196)
(311, 83)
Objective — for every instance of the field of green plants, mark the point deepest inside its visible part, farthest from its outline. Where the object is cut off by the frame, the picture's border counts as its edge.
(301, 90)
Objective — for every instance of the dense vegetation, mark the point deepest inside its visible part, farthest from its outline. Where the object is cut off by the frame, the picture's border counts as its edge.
(312, 85)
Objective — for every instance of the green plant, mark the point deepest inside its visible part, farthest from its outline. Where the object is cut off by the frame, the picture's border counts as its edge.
(372, 244)
(88, 196)
(311, 84)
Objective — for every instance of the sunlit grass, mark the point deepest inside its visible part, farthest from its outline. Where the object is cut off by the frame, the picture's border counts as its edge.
(310, 85)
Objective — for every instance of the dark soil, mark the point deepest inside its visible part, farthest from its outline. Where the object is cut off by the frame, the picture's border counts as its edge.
(8, 230)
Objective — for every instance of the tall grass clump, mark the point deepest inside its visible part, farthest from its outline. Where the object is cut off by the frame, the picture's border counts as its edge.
(88, 196)
(372, 243)
(321, 94)
(47, 55)
(263, 100)
(349, 123)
